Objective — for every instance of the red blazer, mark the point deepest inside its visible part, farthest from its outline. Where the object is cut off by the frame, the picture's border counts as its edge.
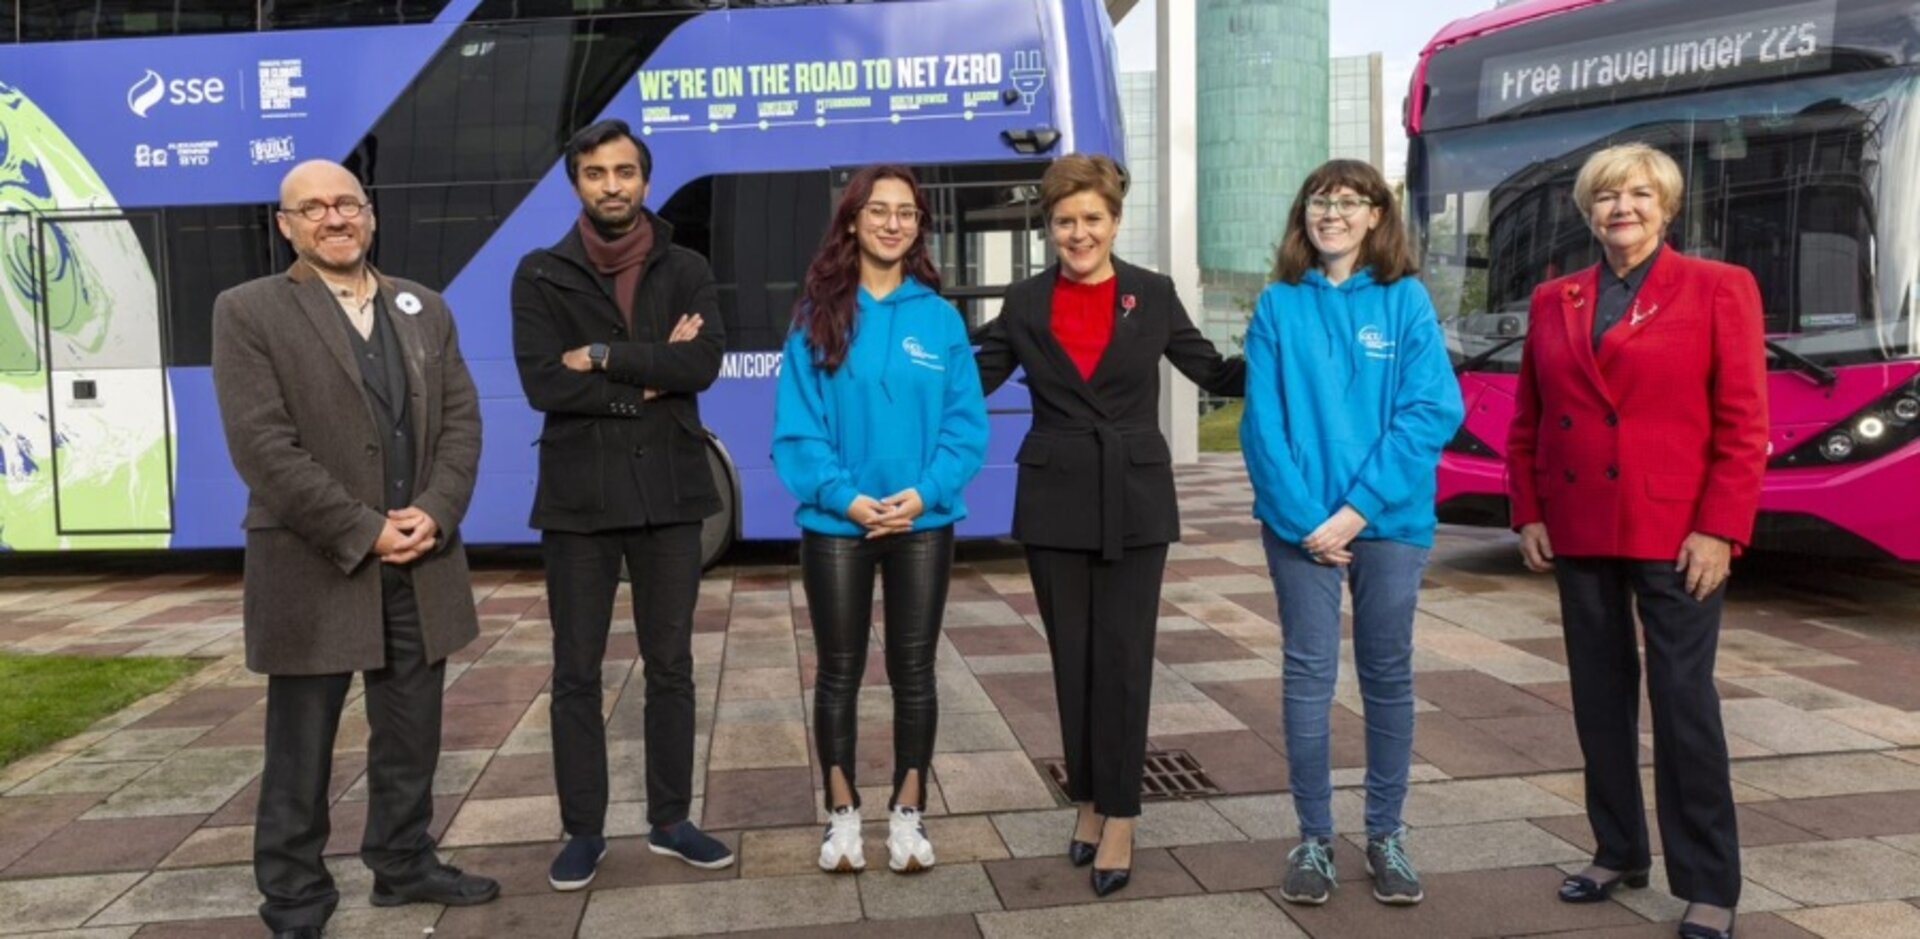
(1663, 433)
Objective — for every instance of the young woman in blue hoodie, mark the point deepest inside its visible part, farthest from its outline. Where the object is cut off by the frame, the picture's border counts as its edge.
(1350, 396)
(878, 427)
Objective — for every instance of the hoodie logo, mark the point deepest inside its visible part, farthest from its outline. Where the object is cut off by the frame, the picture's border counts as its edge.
(920, 356)
(1376, 343)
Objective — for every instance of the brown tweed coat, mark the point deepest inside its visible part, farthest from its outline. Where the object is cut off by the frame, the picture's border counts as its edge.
(303, 436)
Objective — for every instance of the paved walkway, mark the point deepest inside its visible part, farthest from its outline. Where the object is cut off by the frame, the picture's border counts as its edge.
(142, 825)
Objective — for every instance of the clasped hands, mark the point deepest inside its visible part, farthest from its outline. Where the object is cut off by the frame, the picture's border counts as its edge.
(1332, 543)
(892, 515)
(685, 329)
(408, 535)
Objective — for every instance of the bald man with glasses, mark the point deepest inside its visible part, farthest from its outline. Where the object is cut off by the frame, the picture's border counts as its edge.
(351, 418)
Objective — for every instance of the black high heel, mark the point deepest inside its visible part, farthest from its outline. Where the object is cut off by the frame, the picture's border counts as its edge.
(1081, 852)
(1106, 882)
(1579, 889)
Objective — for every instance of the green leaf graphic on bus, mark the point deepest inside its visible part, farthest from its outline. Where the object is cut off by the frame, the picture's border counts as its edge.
(93, 469)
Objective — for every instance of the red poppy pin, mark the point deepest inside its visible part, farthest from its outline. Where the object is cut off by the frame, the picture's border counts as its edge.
(1571, 294)
(1126, 304)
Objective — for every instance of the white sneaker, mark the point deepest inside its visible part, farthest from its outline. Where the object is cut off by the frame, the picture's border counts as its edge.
(907, 842)
(841, 851)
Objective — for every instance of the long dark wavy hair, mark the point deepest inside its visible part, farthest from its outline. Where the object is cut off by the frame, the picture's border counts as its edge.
(1386, 248)
(830, 298)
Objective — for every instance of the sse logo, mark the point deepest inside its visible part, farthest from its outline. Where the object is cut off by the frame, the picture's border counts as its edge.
(152, 89)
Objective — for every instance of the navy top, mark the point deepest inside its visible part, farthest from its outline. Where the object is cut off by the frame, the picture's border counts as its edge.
(1617, 294)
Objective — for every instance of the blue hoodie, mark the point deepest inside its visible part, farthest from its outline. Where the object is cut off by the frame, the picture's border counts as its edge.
(1350, 397)
(903, 411)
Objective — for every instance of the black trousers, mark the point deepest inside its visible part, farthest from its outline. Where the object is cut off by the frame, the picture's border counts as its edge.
(583, 574)
(1692, 789)
(1100, 618)
(303, 716)
(915, 569)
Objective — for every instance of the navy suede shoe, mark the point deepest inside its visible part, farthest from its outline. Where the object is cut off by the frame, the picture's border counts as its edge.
(687, 842)
(577, 863)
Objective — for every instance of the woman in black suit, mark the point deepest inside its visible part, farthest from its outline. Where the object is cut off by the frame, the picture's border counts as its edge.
(1095, 502)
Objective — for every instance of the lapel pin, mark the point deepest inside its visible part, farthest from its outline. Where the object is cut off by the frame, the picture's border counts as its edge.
(1127, 303)
(1572, 295)
(1636, 317)
(408, 304)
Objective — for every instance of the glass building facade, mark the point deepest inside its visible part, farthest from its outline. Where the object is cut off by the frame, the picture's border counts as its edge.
(1138, 240)
(1263, 126)
(1356, 131)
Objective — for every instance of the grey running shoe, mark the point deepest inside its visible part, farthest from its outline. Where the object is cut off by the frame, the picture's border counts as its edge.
(1394, 879)
(1310, 877)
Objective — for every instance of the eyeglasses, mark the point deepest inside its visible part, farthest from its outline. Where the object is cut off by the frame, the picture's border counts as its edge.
(348, 207)
(1343, 207)
(878, 214)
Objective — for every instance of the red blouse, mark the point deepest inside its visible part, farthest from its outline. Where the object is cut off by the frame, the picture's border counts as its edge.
(1083, 320)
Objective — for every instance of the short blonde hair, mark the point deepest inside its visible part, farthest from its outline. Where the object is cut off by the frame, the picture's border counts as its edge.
(1614, 166)
(1076, 173)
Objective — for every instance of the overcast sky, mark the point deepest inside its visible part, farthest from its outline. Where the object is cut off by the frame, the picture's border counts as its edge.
(1396, 29)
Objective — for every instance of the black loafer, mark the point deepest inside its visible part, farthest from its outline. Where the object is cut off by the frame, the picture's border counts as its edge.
(1109, 882)
(1081, 852)
(447, 886)
(1578, 889)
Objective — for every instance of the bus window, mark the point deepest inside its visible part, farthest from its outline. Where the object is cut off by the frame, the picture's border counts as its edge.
(297, 14)
(43, 20)
(208, 249)
(429, 233)
(545, 9)
(759, 232)
(500, 100)
(986, 233)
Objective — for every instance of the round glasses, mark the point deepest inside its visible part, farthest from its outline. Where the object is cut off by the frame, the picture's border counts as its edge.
(1343, 206)
(878, 214)
(317, 211)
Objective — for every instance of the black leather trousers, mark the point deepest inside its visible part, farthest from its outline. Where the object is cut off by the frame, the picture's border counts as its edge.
(839, 574)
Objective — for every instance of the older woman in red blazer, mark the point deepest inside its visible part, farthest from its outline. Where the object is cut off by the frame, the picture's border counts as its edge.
(1634, 465)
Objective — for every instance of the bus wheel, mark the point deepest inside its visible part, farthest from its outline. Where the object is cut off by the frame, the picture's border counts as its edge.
(716, 533)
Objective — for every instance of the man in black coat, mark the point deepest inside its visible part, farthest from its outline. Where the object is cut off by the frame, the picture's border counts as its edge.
(616, 329)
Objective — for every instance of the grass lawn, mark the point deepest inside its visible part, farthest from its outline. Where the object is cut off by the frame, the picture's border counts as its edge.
(45, 698)
(1220, 430)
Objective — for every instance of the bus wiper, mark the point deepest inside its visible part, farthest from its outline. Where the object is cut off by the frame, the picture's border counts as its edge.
(1472, 363)
(1819, 373)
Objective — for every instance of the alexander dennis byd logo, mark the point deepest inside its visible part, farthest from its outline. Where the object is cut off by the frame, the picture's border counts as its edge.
(152, 89)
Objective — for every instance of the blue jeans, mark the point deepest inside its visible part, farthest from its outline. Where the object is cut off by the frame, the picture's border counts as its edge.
(1386, 585)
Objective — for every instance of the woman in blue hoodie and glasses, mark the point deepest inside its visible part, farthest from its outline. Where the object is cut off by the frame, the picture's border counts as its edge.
(1350, 397)
(878, 427)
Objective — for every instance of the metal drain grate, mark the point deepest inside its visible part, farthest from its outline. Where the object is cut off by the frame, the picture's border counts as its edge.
(1170, 774)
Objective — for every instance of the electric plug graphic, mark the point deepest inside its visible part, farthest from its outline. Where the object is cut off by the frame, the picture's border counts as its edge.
(1029, 74)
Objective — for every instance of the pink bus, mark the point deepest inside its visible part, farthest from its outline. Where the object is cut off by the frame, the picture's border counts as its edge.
(1797, 126)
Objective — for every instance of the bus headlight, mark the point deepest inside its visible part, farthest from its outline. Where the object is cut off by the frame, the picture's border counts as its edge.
(1888, 424)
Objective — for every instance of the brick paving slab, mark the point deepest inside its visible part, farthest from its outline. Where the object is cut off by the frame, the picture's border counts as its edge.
(142, 824)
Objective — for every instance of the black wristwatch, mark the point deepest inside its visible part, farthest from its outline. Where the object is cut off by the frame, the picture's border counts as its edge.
(597, 354)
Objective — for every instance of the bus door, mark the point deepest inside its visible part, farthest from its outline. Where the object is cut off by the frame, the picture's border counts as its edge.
(108, 408)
